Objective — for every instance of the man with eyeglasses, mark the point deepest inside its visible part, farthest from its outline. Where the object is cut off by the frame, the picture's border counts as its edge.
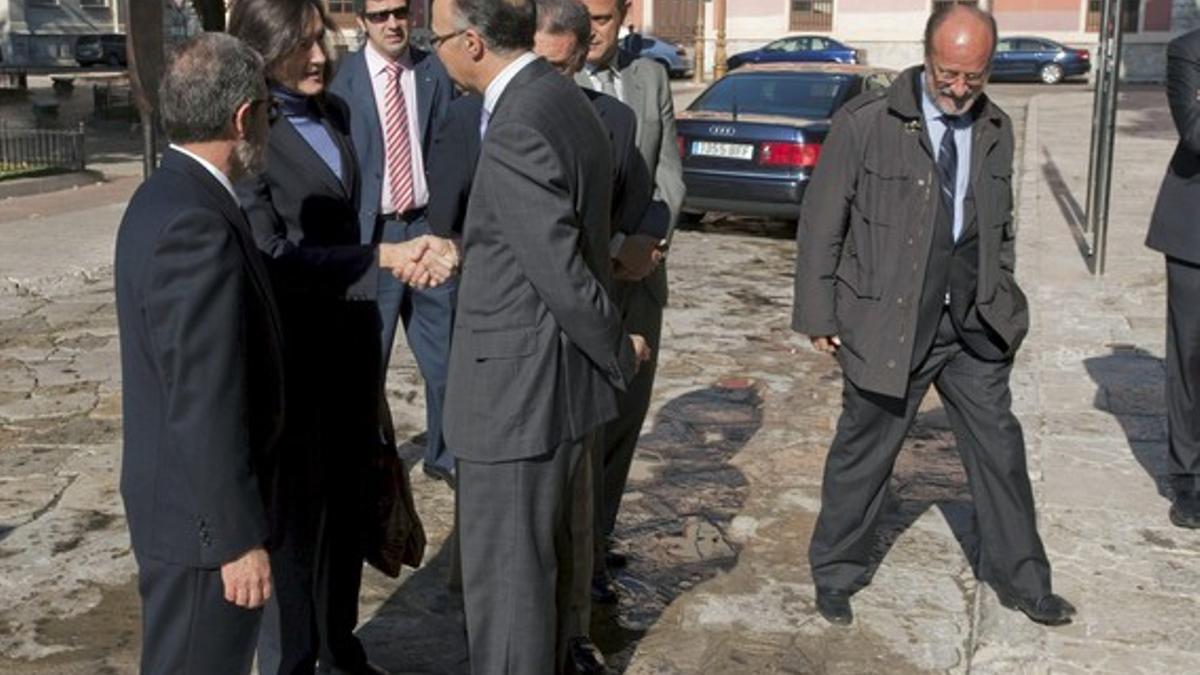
(905, 273)
(397, 95)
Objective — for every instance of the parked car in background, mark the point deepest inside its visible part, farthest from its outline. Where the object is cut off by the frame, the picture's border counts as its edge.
(750, 142)
(668, 54)
(799, 49)
(1035, 58)
(106, 48)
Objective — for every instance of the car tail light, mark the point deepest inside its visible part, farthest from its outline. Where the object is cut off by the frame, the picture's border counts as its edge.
(681, 142)
(797, 155)
(1083, 54)
(680, 51)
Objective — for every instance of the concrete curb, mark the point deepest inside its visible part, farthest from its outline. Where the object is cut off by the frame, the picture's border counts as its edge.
(24, 187)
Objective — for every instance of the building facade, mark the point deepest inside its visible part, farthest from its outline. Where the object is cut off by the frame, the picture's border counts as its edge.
(43, 32)
(890, 30)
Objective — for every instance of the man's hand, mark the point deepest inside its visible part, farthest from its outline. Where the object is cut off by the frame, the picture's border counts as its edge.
(424, 262)
(639, 256)
(826, 343)
(641, 349)
(248, 579)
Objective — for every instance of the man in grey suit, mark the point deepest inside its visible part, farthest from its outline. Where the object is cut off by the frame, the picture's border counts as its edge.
(539, 350)
(641, 277)
(397, 94)
(905, 272)
(1175, 231)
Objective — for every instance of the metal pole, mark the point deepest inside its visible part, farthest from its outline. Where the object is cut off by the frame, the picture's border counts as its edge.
(1100, 236)
(1098, 103)
(719, 52)
(698, 73)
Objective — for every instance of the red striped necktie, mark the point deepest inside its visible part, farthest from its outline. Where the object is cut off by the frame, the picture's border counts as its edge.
(397, 143)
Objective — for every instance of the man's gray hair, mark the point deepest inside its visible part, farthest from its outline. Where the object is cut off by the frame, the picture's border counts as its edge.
(557, 17)
(208, 78)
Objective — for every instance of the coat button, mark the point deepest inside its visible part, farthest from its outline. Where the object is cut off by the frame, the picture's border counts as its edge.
(921, 182)
(903, 338)
(891, 363)
(910, 241)
(899, 301)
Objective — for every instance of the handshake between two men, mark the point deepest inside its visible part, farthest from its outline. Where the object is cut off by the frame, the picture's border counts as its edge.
(424, 262)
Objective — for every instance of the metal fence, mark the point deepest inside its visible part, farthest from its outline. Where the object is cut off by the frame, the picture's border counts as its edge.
(36, 149)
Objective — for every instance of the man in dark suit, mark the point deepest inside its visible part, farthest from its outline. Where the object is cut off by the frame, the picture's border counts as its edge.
(397, 94)
(641, 284)
(202, 370)
(1175, 231)
(539, 350)
(905, 272)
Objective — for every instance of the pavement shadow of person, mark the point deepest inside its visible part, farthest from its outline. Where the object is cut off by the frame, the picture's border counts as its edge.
(1130, 386)
(419, 628)
(683, 494)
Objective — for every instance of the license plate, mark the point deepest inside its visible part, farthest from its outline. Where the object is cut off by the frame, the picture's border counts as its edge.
(725, 150)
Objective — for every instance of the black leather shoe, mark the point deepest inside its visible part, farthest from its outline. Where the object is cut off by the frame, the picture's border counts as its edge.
(583, 658)
(603, 592)
(835, 606)
(447, 476)
(1048, 610)
(1185, 512)
(614, 560)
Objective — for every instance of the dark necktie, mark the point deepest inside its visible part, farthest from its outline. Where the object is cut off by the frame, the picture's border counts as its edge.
(947, 162)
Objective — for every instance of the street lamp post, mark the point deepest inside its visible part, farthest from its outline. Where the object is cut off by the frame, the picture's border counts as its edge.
(698, 72)
(719, 52)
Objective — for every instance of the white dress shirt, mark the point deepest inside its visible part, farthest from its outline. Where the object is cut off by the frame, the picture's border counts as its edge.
(491, 95)
(618, 79)
(377, 67)
(211, 168)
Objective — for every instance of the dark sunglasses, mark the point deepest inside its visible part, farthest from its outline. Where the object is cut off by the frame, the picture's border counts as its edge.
(381, 16)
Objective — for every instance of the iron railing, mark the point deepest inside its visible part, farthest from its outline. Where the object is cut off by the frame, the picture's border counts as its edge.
(36, 149)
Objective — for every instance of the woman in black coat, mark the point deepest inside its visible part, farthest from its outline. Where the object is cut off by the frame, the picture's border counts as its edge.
(304, 213)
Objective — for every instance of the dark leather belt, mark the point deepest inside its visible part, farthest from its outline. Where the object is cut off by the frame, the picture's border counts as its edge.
(406, 217)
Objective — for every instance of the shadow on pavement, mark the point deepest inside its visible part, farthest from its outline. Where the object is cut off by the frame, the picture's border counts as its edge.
(727, 223)
(1068, 204)
(1130, 386)
(676, 513)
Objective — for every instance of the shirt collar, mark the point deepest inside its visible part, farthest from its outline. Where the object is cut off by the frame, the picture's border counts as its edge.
(492, 94)
(211, 168)
(377, 64)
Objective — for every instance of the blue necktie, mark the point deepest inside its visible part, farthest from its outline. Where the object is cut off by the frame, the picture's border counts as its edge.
(947, 162)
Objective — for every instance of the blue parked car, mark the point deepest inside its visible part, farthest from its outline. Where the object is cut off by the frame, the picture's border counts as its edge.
(750, 142)
(669, 55)
(1035, 58)
(800, 49)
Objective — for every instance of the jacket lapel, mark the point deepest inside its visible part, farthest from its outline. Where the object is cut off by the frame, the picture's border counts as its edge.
(290, 143)
(427, 89)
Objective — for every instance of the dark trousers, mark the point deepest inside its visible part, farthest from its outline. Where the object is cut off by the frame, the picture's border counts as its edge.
(515, 538)
(642, 315)
(870, 432)
(188, 628)
(1183, 374)
(428, 317)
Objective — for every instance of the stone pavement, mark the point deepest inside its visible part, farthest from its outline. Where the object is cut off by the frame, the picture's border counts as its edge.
(726, 483)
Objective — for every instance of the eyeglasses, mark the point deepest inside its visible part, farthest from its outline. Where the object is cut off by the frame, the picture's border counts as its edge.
(942, 76)
(437, 40)
(381, 16)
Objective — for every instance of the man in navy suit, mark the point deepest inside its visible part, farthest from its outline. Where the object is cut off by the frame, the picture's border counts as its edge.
(396, 94)
(202, 369)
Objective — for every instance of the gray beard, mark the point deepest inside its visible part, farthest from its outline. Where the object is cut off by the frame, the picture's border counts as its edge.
(249, 158)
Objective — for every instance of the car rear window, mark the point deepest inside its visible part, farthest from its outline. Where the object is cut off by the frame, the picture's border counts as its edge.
(814, 95)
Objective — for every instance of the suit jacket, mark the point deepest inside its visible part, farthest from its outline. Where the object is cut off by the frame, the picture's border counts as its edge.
(648, 92)
(456, 152)
(538, 350)
(353, 84)
(305, 221)
(201, 367)
(866, 229)
(1175, 228)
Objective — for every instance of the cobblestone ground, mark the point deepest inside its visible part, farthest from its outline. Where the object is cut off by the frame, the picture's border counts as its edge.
(725, 486)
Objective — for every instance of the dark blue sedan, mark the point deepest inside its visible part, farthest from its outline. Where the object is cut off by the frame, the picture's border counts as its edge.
(1034, 58)
(750, 141)
(799, 49)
